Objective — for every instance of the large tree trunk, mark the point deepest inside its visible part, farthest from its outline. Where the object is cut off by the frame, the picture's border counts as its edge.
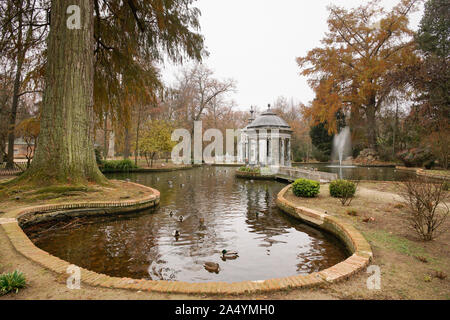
(126, 151)
(15, 102)
(66, 153)
(138, 127)
(105, 138)
(2, 148)
(394, 134)
(371, 125)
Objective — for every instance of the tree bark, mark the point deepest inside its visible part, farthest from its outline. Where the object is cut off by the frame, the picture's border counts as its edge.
(394, 137)
(138, 127)
(105, 138)
(66, 152)
(126, 151)
(371, 124)
(17, 81)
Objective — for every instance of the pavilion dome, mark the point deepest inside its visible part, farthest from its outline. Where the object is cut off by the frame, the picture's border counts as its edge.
(268, 120)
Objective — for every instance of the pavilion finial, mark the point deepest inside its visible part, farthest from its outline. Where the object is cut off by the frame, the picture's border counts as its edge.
(252, 112)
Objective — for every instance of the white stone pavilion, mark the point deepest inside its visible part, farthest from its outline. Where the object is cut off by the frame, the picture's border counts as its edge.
(265, 141)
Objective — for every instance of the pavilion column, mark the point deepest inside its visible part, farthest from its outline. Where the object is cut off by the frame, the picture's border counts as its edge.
(282, 153)
(264, 155)
(288, 152)
(247, 149)
(254, 150)
(257, 148)
(273, 150)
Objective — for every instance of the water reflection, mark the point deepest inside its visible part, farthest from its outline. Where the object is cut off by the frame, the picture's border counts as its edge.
(219, 212)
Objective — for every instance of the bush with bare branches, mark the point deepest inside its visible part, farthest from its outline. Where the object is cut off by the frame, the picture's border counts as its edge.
(427, 207)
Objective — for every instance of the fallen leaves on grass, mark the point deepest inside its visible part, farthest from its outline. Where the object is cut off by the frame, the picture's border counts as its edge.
(422, 259)
(440, 275)
(352, 213)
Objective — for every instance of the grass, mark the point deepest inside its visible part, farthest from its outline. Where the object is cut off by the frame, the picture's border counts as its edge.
(439, 172)
(31, 193)
(12, 282)
(399, 244)
(63, 189)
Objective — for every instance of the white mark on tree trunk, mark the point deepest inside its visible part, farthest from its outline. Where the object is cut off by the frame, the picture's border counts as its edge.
(74, 20)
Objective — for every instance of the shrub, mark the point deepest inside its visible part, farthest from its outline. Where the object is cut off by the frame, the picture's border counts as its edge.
(250, 169)
(344, 190)
(306, 188)
(117, 165)
(426, 201)
(446, 186)
(12, 282)
(320, 155)
(429, 164)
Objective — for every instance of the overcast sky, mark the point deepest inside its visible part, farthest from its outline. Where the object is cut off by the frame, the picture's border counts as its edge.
(256, 43)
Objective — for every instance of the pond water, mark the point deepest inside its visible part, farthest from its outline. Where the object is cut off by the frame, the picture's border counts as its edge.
(238, 215)
(362, 173)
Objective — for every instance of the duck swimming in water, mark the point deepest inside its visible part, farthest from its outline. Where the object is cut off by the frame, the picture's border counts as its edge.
(212, 267)
(181, 218)
(230, 255)
(176, 233)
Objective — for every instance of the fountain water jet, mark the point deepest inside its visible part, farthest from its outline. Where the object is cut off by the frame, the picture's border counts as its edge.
(342, 148)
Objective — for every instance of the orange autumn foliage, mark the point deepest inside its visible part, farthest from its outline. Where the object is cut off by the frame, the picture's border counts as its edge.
(355, 69)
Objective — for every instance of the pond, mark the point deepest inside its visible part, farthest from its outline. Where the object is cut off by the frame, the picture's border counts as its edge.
(220, 212)
(362, 173)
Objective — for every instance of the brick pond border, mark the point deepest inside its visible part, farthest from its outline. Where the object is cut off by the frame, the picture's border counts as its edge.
(357, 245)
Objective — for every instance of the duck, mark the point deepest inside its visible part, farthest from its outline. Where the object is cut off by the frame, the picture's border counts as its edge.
(176, 233)
(202, 221)
(230, 255)
(212, 267)
(181, 218)
(171, 213)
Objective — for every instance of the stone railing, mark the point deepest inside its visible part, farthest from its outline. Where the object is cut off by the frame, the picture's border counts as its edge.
(297, 173)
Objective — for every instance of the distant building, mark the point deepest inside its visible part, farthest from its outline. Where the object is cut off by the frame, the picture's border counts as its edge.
(265, 141)
(20, 148)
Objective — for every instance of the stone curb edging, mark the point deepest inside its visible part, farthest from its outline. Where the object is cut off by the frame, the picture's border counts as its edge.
(357, 244)
(422, 172)
(353, 239)
(253, 175)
